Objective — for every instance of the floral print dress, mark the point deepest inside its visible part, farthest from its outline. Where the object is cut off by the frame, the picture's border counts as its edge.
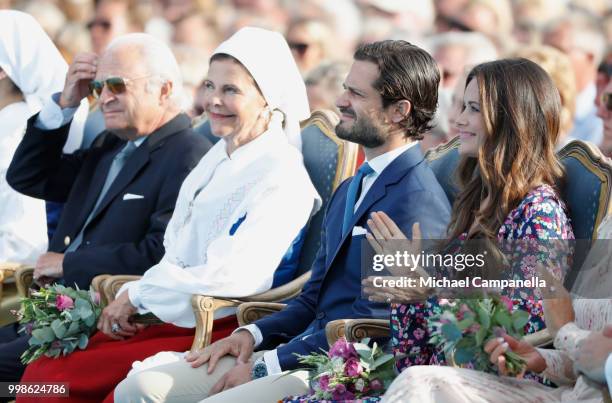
(540, 216)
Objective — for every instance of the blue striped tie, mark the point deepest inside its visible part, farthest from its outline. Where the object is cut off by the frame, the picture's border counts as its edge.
(352, 194)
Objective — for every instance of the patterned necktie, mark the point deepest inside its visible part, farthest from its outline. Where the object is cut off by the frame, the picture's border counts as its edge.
(115, 168)
(352, 194)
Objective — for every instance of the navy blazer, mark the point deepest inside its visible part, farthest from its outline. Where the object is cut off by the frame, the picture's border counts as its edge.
(407, 190)
(126, 235)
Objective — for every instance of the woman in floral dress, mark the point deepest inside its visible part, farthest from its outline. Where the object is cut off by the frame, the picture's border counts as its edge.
(508, 128)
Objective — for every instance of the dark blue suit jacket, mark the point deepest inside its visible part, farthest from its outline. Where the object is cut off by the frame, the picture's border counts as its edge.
(125, 236)
(408, 192)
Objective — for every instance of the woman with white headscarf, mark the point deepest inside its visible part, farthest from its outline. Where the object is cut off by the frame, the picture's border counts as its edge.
(31, 70)
(236, 215)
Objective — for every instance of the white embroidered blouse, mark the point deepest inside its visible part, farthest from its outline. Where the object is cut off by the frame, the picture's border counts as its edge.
(235, 218)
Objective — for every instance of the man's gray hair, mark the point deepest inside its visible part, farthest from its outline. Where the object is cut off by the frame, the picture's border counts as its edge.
(478, 47)
(587, 33)
(157, 59)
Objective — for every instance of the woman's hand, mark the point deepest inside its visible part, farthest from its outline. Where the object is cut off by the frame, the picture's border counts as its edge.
(394, 289)
(498, 346)
(114, 321)
(386, 236)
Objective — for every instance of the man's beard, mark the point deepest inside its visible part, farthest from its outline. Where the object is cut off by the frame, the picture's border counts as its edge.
(363, 132)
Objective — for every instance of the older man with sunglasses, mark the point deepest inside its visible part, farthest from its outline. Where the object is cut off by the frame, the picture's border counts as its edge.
(119, 196)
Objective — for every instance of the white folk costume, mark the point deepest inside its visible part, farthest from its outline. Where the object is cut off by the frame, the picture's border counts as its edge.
(35, 66)
(236, 215)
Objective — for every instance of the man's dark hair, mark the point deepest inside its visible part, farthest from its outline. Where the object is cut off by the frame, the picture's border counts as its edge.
(406, 72)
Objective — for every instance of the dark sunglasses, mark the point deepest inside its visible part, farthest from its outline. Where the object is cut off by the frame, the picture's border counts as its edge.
(453, 24)
(116, 85)
(104, 24)
(606, 100)
(300, 48)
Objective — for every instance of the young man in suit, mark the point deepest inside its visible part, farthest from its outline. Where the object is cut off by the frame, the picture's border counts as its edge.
(389, 100)
(120, 196)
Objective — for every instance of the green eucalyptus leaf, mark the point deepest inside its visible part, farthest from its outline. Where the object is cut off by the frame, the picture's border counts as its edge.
(519, 320)
(44, 334)
(58, 328)
(90, 320)
(83, 341)
(451, 332)
(463, 355)
(502, 317)
(480, 336)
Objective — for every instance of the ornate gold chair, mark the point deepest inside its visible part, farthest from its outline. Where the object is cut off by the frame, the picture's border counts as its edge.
(586, 191)
(328, 160)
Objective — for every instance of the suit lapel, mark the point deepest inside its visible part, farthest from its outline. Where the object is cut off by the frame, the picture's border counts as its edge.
(392, 174)
(133, 165)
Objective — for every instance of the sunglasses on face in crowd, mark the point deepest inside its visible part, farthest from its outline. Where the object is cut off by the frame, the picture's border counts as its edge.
(606, 101)
(116, 85)
(300, 48)
(104, 24)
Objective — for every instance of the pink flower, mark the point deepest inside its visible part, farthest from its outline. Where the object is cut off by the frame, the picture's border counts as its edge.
(63, 302)
(343, 350)
(324, 382)
(507, 301)
(376, 384)
(341, 393)
(352, 368)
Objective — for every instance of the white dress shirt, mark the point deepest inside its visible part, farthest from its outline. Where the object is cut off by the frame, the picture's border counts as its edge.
(234, 219)
(378, 164)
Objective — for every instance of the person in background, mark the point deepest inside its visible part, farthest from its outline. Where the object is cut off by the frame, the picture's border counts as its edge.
(309, 41)
(324, 85)
(559, 68)
(579, 36)
(31, 70)
(604, 74)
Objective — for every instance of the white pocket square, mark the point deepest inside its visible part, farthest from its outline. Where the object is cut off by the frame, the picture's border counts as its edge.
(359, 231)
(130, 196)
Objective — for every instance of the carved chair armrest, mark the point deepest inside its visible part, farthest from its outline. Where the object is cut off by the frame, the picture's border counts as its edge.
(204, 308)
(282, 293)
(24, 278)
(250, 312)
(112, 284)
(541, 338)
(98, 286)
(7, 274)
(334, 330)
(356, 329)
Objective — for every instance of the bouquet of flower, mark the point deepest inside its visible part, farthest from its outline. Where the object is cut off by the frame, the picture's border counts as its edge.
(464, 326)
(348, 371)
(59, 319)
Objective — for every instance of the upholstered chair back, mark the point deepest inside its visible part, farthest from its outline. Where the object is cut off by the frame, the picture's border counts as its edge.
(329, 161)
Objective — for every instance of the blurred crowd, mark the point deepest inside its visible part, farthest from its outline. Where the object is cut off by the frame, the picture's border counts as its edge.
(569, 38)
